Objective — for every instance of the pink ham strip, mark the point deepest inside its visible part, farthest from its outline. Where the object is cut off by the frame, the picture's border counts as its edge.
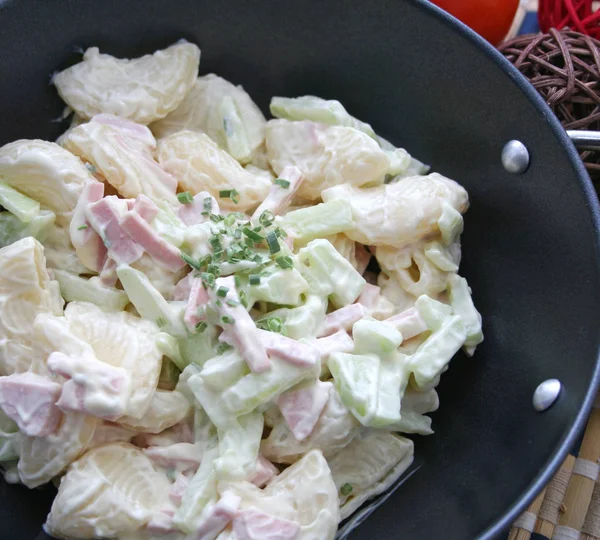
(338, 342)
(183, 287)
(215, 517)
(178, 488)
(243, 333)
(198, 297)
(104, 218)
(342, 319)
(86, 241)
(369, 297)
(108, 274)
(180, 456)
(191, 214)
(409, 323)
(279, 198)
(265, 470)
(362, 256)
(302, 407)
(93, 388)
(145, 207)
(29, 400)
(290, 350)
(252, 524)
(160, 250)
(162, 521)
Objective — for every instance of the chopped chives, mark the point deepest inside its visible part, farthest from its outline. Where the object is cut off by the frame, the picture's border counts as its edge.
(257, 229)
(266, 218)
(281, 182)
(223, 347)
(237, 234)
(273, 243)
(219, 303)
(237, 281)
(232, 302)
(346, 489)
(82, 227)
(253, 235)
(229, 194)
(185, 197)
(188, 260)
(216, 218)
(243, 299)
(161, 322)
(227, 319)
(222, 291)
(254, 279)
(206, 206)
(229, 220)
(208, 278)
(284, 262)
(271, 324)
(201, 326)
(205, 260)
(91, 168)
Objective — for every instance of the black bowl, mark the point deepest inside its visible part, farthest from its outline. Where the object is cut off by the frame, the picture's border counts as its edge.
(428, 84)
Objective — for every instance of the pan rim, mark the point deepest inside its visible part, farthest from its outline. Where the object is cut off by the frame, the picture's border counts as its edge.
(502, 523)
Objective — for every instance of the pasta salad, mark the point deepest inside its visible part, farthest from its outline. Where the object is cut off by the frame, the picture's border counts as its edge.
(214, 326)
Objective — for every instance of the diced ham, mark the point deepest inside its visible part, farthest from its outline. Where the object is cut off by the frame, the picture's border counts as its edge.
(30, 400)
(191, 214)
(301, 407)
(93, 388)
(243, 332)
(338, 342)
(362, 256)
(369, 296)
(252, 524)
(183, 287)
(178, 488)
(108, 274)
(279, 197)
(289, 350)
(198, 297)
(86, 241)
(180, 456)
(104, 218)
(145, 207)
(409, 323)
(140, 232)
(215, 517)
(342, 319)
(162, 521)
(265, 470)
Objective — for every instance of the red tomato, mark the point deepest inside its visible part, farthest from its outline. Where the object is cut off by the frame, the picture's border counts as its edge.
(489, 18)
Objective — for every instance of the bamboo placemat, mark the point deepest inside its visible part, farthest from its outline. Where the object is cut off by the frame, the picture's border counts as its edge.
(569, 507)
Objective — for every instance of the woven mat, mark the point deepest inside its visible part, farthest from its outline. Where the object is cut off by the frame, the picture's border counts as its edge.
(569, 507)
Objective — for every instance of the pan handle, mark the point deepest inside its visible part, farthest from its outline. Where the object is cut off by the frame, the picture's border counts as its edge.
(585, 140)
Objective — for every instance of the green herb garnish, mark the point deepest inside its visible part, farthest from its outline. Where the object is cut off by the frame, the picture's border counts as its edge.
(281, 182)
(346, 489)
(185, 197)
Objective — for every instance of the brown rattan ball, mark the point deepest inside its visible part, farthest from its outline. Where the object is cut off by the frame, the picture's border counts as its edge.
(564, 67)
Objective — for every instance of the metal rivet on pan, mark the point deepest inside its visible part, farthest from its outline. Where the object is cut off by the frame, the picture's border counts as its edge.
(545, 394)
(515, 157)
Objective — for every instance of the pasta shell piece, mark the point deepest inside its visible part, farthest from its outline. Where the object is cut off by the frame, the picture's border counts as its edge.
(141, 89)
(110, 491)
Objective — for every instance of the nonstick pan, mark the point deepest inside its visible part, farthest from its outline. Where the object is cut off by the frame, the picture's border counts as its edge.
(426, 83)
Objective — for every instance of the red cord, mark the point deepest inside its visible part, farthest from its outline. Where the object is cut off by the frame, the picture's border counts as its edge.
(576, 14)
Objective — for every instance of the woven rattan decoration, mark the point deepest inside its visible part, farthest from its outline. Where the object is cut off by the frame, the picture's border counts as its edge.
(564, 67)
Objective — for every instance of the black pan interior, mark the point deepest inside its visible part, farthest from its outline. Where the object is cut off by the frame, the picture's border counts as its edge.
(530, 245)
